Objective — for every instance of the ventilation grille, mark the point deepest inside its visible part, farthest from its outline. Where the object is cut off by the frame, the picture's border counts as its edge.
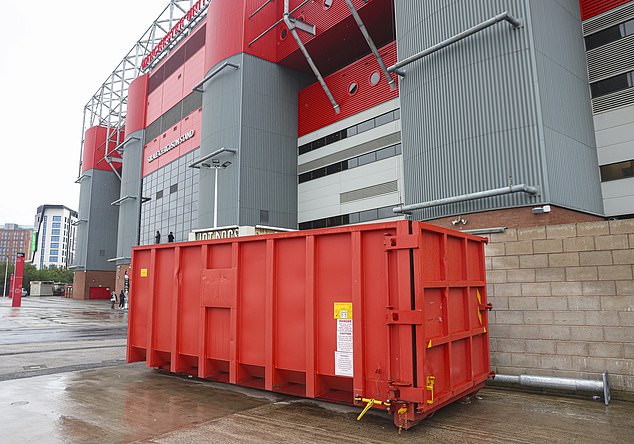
(611, 59)
(611, 18)
(611, 101)
(374, 190)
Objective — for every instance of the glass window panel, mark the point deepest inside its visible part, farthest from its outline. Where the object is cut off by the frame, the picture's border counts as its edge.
(365, 126)
(367, 158)
(385, 153)
(385, 118)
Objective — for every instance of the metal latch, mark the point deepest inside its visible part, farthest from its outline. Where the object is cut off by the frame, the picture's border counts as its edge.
(401, 242)
(404, 317)
(430, 380)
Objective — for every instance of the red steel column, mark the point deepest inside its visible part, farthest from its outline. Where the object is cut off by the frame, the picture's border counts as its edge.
(18, 276)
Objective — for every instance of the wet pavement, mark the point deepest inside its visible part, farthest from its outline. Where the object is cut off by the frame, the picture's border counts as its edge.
(112, 402)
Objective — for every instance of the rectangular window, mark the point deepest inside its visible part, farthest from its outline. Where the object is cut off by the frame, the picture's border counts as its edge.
(56, 225)
(609, 35)
(612, 84)
(54, 231)
(57, 218)
(54, 252)
(616, 171)
(54, 238)
(54, 245)
(52, 259)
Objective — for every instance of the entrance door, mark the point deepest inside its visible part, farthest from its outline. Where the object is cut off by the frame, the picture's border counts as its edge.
(99, 293)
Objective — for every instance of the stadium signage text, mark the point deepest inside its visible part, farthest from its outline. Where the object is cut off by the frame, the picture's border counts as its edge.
(188, 135)
(172, 33)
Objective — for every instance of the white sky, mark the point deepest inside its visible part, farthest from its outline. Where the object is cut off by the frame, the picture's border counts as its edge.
(54, 55)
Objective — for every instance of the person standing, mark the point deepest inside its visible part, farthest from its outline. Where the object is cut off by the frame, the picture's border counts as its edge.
(121, 299)
(157, 237)
(170, 237)
(113, 300)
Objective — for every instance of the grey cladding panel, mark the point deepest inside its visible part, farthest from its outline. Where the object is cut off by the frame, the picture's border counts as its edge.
(469, 119)
(472, 113)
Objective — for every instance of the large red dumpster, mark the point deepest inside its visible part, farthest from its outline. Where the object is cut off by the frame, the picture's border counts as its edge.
(390, 315)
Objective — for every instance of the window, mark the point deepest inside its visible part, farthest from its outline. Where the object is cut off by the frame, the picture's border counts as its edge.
(609, 35)
(57, 218)
(352, 218)
(55, 231)
(54, 245)
(616, 171)
(56, 225)
(612, 84)
(351, 131)
(54, 238)
(52, 259)
(54, 252)
(173, 188)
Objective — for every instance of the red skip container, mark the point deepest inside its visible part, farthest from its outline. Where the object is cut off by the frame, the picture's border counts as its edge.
(390, 315)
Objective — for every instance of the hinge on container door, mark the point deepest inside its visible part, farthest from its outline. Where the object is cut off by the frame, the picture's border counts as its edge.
(404, 317)
(401, 242)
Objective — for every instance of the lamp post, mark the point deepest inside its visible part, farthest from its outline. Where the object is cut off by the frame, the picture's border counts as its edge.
(215, 163)
(6, 268)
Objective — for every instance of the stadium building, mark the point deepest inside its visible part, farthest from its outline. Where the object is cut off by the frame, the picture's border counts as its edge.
(305, 114)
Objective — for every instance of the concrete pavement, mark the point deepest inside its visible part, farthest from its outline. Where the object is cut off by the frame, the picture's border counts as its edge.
(85, 393)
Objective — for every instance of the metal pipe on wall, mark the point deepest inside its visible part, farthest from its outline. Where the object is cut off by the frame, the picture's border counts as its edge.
(464, 197)
(567, 384)
(505, 16)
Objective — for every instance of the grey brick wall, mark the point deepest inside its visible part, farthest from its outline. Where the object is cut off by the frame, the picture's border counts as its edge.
(563, 301)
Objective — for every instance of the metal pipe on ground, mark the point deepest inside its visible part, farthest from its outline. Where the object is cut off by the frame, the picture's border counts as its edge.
(565, 384)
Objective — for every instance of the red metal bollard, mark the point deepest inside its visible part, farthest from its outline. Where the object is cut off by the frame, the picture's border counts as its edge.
(18, 276)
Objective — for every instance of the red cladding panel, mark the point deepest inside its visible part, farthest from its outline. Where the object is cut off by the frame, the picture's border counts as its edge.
(592, 8)
(225, 30)
(137, 100)
(328, 314)
(315, 110)
(95, 149)
(193, 122)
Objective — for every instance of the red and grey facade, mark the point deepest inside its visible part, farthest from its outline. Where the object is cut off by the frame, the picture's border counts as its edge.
(237, 103)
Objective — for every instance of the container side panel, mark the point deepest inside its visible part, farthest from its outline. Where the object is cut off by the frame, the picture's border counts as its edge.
(433, 311)
(251, 302)
(290, 301)
(163, 300)
(219, 256)
(455, 259)
(190, 301)
(333, 284)
(139, 297)
(460, 363)
(218, 333)
(432, 243)
(475, 261)
(457, 307)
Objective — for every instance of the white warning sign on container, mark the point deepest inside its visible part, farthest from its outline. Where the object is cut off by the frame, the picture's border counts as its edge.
(344, 335)
(343, 364)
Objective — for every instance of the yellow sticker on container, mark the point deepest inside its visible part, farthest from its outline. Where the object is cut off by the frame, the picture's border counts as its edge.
(143, 272)
(343, 310)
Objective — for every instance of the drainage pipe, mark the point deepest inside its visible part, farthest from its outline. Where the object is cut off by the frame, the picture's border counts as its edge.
(566, 384)
(505, 16)
(523, 188)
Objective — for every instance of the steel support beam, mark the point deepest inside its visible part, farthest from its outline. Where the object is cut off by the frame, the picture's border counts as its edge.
(505, 16)
(291, 27)
(371, 44)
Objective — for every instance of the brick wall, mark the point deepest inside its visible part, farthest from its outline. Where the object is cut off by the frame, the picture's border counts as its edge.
(563, 301)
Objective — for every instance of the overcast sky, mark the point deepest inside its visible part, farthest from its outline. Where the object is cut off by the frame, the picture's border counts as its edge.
(53, 58)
